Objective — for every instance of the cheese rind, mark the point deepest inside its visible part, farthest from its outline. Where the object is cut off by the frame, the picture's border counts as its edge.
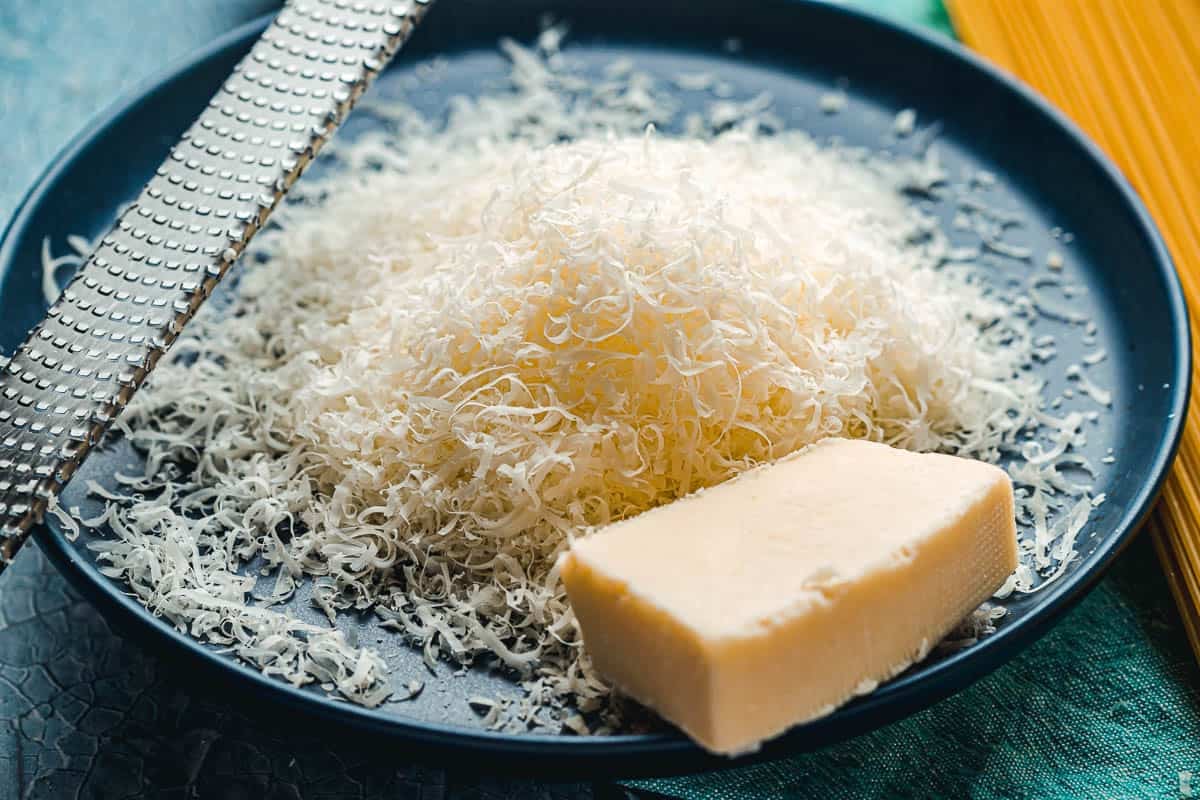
(773, 598)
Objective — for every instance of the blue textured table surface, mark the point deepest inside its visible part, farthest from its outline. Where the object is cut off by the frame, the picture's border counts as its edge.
(85, 714)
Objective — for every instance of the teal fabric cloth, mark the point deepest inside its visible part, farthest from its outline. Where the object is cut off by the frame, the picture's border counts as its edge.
(930, 14)
(1107, 705)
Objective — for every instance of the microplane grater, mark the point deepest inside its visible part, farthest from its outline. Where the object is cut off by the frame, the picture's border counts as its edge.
(150, 273)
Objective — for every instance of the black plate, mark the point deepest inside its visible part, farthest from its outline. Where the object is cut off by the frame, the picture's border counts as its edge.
(1048, 172)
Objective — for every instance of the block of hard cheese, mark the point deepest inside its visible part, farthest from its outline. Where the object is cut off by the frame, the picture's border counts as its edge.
(773, 598)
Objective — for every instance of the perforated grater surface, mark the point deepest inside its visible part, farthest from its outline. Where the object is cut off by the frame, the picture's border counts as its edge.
(148, 276)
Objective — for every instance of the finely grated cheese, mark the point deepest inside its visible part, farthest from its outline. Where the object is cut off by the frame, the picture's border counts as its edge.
(477, 341)
(905, 122)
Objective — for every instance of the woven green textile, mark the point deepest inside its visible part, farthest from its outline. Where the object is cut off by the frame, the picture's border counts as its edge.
(1107, 705)
(927, 13)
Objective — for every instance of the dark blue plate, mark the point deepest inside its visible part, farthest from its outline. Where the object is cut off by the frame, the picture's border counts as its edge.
(1048, 173)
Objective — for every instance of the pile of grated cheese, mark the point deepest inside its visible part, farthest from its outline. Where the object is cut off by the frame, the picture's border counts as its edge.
(475, 341)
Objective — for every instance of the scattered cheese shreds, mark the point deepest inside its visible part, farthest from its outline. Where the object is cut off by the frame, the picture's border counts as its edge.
(833, 102)
(905, 122)
(476, 342)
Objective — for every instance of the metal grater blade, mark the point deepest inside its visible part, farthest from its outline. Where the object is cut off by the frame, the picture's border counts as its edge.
(149, 274)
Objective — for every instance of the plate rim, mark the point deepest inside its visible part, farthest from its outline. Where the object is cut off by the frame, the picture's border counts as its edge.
(892, 701)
